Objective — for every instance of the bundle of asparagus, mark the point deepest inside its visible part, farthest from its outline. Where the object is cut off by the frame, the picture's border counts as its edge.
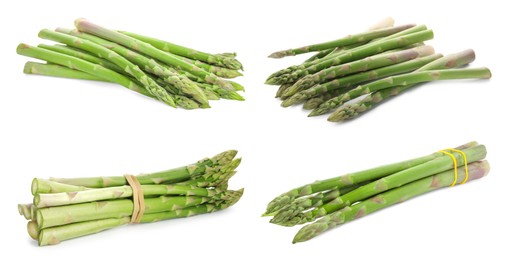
(173, 74)
(377, 64)
(68, 208)
(333, 202)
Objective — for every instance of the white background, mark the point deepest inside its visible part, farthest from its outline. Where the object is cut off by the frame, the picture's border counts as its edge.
(70, 128)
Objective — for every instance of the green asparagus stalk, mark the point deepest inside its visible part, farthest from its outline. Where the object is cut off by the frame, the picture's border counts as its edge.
(353, 178)
(78, 53)
(366, 64)
(350, 111)
(181, 83)
(89, 195)
(413, 35)
(40, 186)
(192, 171)
(348, 40)
(56, 71)
(382, 24)
(389, 182)
(149, 50)
(133, 70)
(404, 79)
(345, 82)
(476, 170)
(227, 61)
(54, 235)
(79, 64)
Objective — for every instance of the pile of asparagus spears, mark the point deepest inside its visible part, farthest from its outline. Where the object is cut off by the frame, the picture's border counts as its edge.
(336, 201)
(366, 68)
(68, 208)
(173, 74)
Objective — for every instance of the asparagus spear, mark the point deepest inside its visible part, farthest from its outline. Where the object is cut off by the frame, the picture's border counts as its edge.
(78, 53)
(363, 48)
(404, 79)
(366, 64)
(54, 235)
(382, 24)
(389, 182)
(476, 170)
(227, 61)
(79, 64)
(181, 83)
(89, 195)
(353, 178)
(147, 49)
(350, 111)
(133, 70)
(351, 80)
(40, 186)
(208, 165)
(348, 40)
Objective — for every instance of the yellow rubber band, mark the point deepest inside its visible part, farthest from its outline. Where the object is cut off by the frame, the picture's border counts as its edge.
(138, 200)
(465, 163)
(455, 172)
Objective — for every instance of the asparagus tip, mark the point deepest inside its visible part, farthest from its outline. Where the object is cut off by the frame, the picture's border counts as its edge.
(316, 112)
(272, 81)
(276, 55)
(336, 116)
